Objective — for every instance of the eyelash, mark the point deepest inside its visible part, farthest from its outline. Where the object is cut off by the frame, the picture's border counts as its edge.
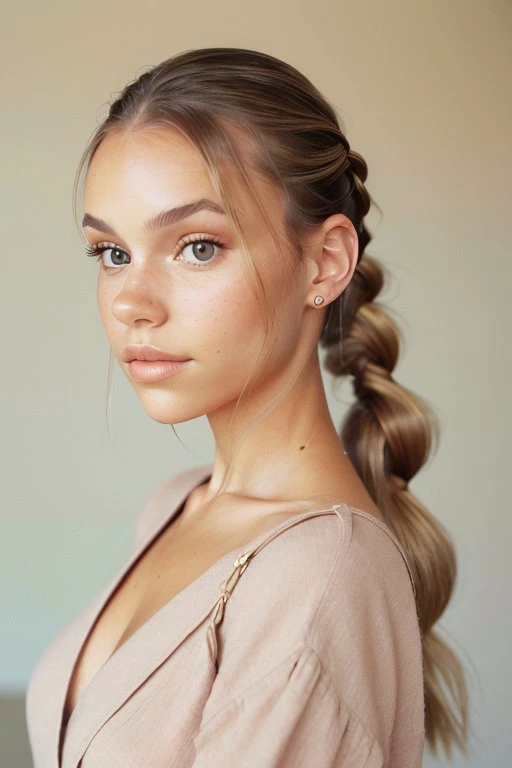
(98, 250)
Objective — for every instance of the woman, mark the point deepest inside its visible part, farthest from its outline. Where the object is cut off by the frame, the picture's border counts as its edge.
(278, 606)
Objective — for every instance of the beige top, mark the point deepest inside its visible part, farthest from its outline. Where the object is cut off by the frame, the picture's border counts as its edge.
(312, 658)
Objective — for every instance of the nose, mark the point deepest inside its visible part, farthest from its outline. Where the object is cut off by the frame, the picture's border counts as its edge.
(140, 300)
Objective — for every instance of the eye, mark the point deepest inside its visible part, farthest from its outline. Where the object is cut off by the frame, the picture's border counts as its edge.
(115, 254)
(200, 247)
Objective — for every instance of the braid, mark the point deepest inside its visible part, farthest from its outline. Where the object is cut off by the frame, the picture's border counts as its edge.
(389, 433)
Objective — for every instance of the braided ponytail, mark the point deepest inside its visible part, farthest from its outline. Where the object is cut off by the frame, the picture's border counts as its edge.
(389, 433)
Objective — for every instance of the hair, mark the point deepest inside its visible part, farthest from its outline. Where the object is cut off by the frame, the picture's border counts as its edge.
(292, 136)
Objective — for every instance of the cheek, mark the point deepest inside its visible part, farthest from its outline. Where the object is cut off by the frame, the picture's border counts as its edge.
(229, 338)
(228, 327)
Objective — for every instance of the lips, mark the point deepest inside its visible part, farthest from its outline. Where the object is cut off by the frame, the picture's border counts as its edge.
(149, 353)
(157, 370)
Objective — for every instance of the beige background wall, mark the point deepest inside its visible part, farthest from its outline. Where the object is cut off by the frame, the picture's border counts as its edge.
(423, 89)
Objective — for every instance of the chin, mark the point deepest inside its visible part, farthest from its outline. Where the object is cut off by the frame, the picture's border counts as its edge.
(168, 407)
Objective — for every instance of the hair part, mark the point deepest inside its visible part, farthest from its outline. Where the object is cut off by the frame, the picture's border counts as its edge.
(292, 137)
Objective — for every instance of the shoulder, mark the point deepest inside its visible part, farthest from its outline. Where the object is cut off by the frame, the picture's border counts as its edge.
(371, 576)
(330, 554)
(338, 586)
(370, 585)
(366, 630)
(290, 568)
(315, 581)
(369, 548)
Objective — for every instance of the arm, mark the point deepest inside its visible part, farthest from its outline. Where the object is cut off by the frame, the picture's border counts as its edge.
(291, 717)
(350, 693)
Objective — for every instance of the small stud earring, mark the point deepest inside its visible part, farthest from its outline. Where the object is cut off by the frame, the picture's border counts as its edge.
(318, 300)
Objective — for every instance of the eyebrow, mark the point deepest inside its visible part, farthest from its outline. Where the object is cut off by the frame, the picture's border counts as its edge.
(161, 220)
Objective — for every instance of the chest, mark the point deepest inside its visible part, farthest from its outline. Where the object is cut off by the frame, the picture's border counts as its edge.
(170, 564)
(145, 589)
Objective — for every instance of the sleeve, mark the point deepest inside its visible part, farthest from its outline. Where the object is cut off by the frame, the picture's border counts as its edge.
(292, 717)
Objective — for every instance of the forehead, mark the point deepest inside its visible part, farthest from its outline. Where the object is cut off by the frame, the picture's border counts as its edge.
(145, 164)
(135, 174)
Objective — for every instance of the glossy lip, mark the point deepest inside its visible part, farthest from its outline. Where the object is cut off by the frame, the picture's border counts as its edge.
(151, 371)
(149, 353)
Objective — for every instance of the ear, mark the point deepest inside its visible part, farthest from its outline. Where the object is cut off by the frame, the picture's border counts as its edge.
(331, 252)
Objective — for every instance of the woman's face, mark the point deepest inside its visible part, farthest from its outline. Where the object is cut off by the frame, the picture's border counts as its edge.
(196, 300)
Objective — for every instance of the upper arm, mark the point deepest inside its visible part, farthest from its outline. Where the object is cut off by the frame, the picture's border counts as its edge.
(366, 632)
(292, 716)
(349, 689)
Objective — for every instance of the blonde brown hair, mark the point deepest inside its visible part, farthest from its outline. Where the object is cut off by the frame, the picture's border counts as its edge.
(293, 137)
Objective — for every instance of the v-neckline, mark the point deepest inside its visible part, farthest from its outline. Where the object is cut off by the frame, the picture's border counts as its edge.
(151, 537)
(220, 566)
(108, 593)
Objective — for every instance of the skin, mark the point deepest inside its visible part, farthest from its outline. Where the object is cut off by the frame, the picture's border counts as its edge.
(213, 315)
(293, 459)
